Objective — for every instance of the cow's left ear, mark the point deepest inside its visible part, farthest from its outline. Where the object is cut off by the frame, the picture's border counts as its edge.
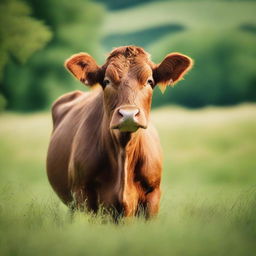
(84, 68)
(171, 69)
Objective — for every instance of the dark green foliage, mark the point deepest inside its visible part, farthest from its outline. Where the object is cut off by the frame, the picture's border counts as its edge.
(224, 71)
(75, 28)
(20, 36)
(117, 4)
(2, 103)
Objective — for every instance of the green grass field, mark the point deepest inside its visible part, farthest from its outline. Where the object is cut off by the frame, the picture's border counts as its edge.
(209, 194)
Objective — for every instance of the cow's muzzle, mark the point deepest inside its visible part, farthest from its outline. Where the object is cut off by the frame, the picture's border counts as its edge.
(128, 119)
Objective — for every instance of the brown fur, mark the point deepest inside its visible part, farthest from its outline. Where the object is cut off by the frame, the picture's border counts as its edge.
(90, 164)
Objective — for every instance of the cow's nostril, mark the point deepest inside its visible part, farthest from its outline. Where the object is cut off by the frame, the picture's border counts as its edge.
(137, 112)
(120, 113)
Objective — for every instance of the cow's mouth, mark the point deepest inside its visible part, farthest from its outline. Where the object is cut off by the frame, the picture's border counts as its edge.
(128, 119)
(128, 127)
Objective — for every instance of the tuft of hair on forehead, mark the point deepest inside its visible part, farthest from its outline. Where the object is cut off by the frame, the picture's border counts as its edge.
(123, 58)
(128, 52)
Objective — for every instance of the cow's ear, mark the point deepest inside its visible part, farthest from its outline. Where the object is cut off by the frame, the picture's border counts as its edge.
(84, 68)
(171, 69)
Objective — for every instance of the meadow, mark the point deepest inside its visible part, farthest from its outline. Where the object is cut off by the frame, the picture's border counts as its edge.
(209, 194)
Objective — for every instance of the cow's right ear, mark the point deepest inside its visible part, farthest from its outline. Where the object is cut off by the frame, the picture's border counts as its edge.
(84, 68)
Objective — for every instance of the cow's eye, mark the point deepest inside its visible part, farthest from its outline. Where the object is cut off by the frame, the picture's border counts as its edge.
(150, 82)
(106, 82)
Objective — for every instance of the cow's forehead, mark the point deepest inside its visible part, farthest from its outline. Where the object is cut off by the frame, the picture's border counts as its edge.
(129, 60)
(121, 68)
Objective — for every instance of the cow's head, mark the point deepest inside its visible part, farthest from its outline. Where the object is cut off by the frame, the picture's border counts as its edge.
(128, 78)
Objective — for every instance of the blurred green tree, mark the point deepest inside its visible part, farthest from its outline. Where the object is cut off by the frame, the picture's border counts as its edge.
(76, 27)
(20, 35)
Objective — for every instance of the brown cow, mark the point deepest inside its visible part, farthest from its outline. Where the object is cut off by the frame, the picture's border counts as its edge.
(98, 155)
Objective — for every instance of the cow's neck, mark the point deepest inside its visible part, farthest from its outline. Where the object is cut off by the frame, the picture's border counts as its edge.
(116, 142)
(127, 154)
(123, 152)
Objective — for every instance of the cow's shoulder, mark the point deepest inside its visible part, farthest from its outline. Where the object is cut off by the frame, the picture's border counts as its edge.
(63, 105)
(149, 158)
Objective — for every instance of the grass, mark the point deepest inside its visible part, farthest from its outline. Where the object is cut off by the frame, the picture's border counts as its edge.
(209, 193)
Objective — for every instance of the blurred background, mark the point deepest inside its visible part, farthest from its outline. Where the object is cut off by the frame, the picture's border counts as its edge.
(37, 36)
(206, 123)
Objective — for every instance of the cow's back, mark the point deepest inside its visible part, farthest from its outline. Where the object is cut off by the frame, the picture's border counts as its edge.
(63, 105)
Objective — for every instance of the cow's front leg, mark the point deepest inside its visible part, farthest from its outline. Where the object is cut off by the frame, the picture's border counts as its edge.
(85, 199)
(152, 203)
